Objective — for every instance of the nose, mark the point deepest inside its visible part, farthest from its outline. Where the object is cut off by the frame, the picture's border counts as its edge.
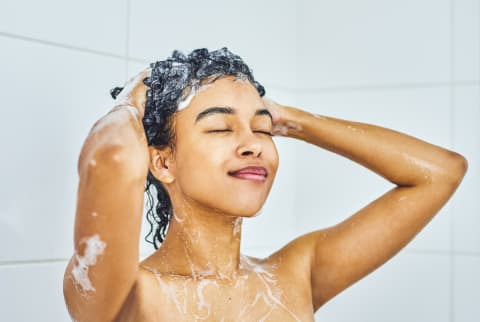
(250, 147)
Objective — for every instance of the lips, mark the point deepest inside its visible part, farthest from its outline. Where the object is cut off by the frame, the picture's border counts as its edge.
(250, 173)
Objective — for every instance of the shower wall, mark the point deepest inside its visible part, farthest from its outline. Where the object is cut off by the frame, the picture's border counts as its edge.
(413, 66)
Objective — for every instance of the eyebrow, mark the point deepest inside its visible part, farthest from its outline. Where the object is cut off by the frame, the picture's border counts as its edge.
(227, 110)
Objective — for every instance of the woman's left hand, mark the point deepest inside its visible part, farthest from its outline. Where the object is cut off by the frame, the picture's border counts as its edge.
(283, 117)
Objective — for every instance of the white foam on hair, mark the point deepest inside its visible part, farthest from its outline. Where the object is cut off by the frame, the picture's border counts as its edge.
(193, 91)
(196, 88)
(94, 248)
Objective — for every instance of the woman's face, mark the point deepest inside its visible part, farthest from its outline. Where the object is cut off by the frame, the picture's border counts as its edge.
(211, 145)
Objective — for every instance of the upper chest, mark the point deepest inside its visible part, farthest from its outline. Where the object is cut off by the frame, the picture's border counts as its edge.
(262, 293)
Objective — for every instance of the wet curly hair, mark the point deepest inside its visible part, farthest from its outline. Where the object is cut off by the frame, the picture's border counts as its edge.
(170, 82)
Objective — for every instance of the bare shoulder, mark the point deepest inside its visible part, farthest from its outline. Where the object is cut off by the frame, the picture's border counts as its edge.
(296, 256)
(294, 261)
(144, 300)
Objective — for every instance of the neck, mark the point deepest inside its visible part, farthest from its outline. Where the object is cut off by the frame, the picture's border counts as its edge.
(201, 243)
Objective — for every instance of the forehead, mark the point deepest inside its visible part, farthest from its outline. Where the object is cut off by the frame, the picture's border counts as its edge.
(226, 91)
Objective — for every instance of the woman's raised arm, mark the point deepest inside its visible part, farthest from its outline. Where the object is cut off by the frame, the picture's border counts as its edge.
(426, 176)
(112, 169)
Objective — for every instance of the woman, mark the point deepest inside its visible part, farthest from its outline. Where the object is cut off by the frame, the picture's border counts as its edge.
(200, 130)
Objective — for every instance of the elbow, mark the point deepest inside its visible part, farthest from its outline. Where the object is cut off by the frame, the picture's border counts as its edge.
(456, 170)
(106, 159)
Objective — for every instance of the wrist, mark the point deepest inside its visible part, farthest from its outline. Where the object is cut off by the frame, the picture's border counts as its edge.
(291, 122)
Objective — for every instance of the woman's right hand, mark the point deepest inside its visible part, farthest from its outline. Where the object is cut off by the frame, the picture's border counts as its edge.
(120, 131)
(134, 93)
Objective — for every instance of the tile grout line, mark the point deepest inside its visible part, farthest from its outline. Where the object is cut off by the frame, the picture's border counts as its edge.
(339, 88)
(127, 38)
(452, 144)
(411, 85)
(60, 45)
(442, 252)
(33, 261)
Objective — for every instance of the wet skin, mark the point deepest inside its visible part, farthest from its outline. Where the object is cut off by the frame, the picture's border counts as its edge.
(198, 273)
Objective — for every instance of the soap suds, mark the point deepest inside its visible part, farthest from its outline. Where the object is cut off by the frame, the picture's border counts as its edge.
(271, 292)
(94, 248)
(201, 300)
(266, 301)
(193, 91)
(238, 225)
(177, 218)
(282, 129)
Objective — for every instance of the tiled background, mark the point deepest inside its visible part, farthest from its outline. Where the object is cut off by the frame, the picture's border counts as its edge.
(411, 65)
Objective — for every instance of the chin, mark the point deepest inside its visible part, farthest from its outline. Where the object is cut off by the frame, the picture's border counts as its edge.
(249, 211)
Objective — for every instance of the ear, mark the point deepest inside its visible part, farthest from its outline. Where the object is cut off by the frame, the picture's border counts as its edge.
(161, 163)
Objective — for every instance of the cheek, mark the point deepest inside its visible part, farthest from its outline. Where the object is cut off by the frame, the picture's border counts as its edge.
(273, 157)
(200, 164)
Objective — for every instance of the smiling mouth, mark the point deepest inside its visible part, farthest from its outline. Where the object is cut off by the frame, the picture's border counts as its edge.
(249, 176)
(257, 174)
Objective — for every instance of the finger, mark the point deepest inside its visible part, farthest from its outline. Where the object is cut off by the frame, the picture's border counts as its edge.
(133, 87)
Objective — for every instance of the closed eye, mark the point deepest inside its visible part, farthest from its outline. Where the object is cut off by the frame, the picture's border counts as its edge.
(214, 131)
(227, 130)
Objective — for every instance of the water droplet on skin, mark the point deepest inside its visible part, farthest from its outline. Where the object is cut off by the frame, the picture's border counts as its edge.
(354, 129)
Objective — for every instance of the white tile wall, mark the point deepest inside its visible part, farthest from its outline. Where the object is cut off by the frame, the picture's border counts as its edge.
(466, 204)
(89, 24)
(54, 96)
(354, 43)
(386, 63)
(467, 282)
(33, 292)
(466, 63)
(264, 36)
(410, 287)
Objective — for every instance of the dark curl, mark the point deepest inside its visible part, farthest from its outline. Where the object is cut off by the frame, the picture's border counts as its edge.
(171, 80)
